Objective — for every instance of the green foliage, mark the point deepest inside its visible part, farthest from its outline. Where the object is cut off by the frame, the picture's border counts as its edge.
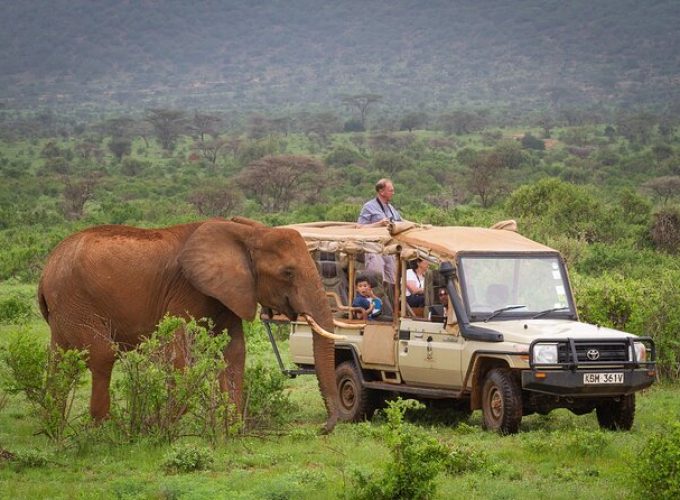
(610, 300)
(160, 401)
(643, 306)
(463, 459)
(29, 459)
(416, 460)
(531, 142)
(658, 470)
(15, 308)
(47, 378)
(665, 229)
(266, 402)
(551, 207)
(188, 458)
(343, 156)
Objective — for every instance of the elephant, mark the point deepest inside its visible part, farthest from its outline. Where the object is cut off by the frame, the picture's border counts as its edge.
(111, 285)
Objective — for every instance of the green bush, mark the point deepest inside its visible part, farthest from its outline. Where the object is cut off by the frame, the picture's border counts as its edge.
(15, 309)
(157, 400)
(551, 207)
(265, 400)
(30, 459)
(47, 378)
(658, 469)
(188, 458)
(416, 460)
(609, 300)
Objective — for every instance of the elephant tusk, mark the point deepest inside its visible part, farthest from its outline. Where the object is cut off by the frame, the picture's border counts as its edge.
(351, 326)
(316, 328)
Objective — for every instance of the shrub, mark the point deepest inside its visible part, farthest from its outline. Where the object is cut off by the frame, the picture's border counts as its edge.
(416, 460)
(342, 156)
(157, 400)
(665, 229)
(15, 309)
(658, 470)
(607, 301)
(265, 401)
(551, 207)
(188, 458)
(48, 379)
(30, 459)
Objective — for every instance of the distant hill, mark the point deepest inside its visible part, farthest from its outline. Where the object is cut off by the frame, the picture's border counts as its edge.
(282, 54)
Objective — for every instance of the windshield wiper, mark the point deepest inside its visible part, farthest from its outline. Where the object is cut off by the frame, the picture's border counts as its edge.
(502, 310)
(548, 311)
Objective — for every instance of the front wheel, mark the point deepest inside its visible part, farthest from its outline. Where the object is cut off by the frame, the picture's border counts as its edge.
(616, 414)
(355, 402)
(501, 402)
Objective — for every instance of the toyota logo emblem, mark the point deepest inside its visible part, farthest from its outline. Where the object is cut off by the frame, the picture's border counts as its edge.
(593, 354)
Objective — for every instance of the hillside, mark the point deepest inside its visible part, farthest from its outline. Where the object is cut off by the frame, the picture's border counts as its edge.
(264, 55)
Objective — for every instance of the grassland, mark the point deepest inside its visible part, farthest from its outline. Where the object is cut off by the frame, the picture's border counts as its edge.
(555, 456)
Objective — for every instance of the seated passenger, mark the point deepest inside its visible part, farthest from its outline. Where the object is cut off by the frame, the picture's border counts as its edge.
(366, 299)
(439, 309)
(415, 283)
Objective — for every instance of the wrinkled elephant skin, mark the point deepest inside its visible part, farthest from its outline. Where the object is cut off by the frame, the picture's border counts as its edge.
(114, 284)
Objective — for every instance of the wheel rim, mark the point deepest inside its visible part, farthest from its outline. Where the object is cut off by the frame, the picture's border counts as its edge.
(495, 404)
(348, 394)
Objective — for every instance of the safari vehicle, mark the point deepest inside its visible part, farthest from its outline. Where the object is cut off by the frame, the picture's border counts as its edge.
(510, 342)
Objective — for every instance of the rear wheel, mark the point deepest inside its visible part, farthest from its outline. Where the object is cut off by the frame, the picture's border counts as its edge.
(617, 414)
(355, 402)
(501, 402)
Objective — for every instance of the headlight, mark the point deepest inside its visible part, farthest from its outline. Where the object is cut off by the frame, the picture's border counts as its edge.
(640, 352)
(545, 354)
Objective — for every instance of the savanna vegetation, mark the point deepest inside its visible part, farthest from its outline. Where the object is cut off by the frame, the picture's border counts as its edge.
(604, 189)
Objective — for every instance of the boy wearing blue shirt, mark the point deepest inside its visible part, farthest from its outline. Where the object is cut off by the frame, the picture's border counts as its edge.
(366, 299)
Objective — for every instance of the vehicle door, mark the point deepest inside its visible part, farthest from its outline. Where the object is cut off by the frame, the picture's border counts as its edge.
(429, 353)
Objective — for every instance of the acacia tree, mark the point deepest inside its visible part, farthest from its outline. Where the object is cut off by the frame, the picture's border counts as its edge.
(217, 200)
(484, 178)
(210, 149)
(76, 193)
(203, 124)
(276, 182)
(665, 187)
(168, 125)
(120, 146)
(361, 103)
(412, 120)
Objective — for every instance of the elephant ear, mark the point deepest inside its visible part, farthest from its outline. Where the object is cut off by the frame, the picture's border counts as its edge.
(216, 261)
(248, 222)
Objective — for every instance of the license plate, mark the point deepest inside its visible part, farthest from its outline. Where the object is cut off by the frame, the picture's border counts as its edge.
(603, 378)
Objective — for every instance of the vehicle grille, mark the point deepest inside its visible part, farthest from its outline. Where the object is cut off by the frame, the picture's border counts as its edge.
(612, 352)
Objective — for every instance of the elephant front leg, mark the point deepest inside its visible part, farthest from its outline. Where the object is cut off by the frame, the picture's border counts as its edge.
(231, 380)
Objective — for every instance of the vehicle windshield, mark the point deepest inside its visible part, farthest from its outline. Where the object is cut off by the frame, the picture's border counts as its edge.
(515, 286)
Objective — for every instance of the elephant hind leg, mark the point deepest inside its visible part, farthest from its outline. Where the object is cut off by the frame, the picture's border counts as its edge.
(100, 400)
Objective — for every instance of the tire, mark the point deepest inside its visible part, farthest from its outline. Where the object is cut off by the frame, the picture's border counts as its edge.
(355, 402)
(501, 402)
(616, 414)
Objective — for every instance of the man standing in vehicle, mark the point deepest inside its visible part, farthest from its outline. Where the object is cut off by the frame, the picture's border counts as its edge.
(380, 212)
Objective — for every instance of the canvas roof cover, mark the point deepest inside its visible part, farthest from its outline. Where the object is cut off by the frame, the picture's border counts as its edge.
(440, 241)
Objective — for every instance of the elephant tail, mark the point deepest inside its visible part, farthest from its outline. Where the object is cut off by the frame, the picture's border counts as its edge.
(43, 303)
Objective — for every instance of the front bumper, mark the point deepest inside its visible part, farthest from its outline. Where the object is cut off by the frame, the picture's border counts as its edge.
(570, 382)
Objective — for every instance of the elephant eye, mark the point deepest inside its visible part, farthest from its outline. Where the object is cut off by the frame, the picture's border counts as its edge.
(288, 273)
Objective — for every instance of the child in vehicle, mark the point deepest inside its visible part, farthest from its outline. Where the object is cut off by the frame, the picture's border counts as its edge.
(366, 299)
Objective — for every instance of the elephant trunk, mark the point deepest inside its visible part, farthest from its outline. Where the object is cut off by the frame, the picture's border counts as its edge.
(324, 355)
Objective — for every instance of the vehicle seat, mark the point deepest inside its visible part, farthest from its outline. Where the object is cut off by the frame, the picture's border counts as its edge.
(332, 275)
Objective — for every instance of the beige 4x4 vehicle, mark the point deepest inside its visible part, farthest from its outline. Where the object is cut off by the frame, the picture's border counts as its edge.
(510, 342)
